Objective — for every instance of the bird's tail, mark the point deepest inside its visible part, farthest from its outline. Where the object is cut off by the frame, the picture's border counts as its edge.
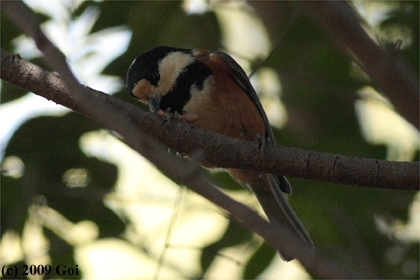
(268, 190)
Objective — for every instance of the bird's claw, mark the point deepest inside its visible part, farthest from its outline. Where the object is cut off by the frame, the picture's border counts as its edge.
(261, 142)
(183, 117)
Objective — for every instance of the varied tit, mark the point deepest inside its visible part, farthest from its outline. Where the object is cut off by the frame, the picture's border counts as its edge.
(210, 90)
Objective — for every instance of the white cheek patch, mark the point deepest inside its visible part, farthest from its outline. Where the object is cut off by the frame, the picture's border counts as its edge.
(170, 68)
(199, 97)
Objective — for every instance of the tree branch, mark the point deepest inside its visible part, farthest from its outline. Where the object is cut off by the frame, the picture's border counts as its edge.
(128, 122)
(134, 125)
(389, 72)
(187, 173)
(218, 150)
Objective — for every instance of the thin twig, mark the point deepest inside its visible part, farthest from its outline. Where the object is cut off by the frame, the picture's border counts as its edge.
(389, 72)
(186, 173)
(217, 150)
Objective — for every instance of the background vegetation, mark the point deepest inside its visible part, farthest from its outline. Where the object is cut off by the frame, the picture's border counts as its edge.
(320, 85)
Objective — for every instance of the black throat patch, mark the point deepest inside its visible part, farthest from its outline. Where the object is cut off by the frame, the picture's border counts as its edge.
(194, 75)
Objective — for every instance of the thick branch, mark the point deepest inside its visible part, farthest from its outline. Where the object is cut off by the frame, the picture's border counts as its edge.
(219, 150)
(103, 110)
(128, 121)
(49, 85)
(389, 72)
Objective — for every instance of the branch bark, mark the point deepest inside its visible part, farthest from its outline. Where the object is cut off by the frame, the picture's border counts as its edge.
(388, 71)
(128, 121)
(214, 149)
(136, 126)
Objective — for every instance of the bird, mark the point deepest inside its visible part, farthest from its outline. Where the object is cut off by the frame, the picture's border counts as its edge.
(209, 89)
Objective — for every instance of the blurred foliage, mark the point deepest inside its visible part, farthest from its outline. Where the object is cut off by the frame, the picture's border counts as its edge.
(319, 93)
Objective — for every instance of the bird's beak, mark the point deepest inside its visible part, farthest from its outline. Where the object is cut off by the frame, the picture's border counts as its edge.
(154, 102)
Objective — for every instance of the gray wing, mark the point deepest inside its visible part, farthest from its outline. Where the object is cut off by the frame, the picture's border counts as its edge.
(242, 79)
